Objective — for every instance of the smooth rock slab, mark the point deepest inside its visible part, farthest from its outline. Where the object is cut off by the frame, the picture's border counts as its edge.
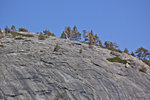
(30, 70)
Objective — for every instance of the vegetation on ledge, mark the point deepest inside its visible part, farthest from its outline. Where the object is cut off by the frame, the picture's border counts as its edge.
(117, 59)
(17, 34)
(19, 38)
(1, 46)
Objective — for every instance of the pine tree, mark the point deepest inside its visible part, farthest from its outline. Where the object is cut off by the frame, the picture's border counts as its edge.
(1, 33)
(132, 54)
(48, 33)
(76, 34)
(142, 53)
(96, 39)
(64, 35)
(13, 28)
(100, 43)
(7, 30)
(126, 50)
(109, 44)
(41, 36)
(91, 38)
(69, 33)
(85, 35)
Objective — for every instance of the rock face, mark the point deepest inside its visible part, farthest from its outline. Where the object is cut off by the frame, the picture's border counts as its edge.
(31, 70)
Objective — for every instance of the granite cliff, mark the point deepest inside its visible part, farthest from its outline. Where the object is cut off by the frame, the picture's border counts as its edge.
(30, 69)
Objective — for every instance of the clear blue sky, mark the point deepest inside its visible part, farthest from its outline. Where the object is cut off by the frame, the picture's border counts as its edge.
(126, 22)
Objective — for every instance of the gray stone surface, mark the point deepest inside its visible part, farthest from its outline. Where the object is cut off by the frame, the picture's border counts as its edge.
(30, 70)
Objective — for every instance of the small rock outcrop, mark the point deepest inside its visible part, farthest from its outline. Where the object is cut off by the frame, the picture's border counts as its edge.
(30, 69)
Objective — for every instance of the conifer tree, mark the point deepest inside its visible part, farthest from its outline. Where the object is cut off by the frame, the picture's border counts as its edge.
(91, 38)
(41, 36)
(48, 33)
(64, 35)
(100, 43)
(96, 39)
(69, 33)
(13, 28)
(126, 50)
(7, 30)
(1, 33)
(142, 53)
(76, 34)
(85, 35)
(109, 44)
(132, 54)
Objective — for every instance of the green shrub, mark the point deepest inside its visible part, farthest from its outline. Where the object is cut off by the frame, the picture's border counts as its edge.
(17, 34)
(1, 46)
(142, 69)
(41, 37)
(19, 38)
(61, 96)
(117, 59)
(23, 30)
(57, 47)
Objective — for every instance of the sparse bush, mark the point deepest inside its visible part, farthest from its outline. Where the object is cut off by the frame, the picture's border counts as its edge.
(19, 38)
(61, 96)
(142, 69)
(80, 51)
(57, 47)
(41, 36)
(1, 46)
(23, 30)
(117, 59)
